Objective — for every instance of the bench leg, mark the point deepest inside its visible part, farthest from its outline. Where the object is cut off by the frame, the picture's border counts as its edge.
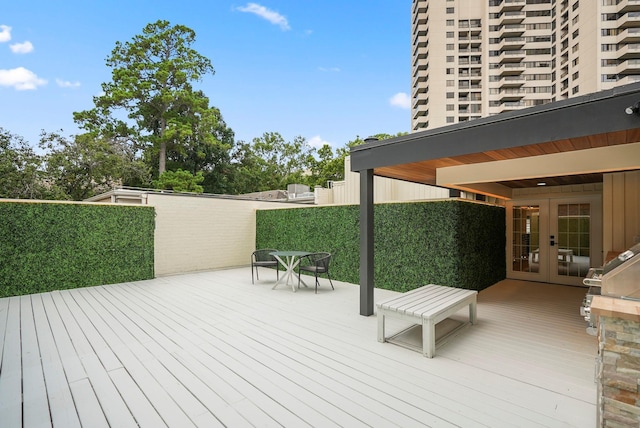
(428, 338)
(472, 312)
(381, 337)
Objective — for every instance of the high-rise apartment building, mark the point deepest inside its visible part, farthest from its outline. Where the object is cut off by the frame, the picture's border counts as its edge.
(475, 58)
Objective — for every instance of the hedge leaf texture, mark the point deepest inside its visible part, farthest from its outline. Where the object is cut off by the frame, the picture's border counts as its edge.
(55, 246)
(454, 242)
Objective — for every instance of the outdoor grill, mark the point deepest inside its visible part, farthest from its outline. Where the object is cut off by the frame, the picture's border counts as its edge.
(618, 278)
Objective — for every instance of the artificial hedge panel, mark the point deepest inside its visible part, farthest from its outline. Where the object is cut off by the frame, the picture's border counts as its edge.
(50, 246)
(455, 243)
(315, 229)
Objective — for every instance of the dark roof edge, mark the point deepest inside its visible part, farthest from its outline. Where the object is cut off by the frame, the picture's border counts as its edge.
(531, 111)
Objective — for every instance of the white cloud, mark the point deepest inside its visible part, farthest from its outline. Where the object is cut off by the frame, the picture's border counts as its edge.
(318, 142)
(67, 84)
(270, 15)
(5, 33)
(401, 100)
(21, 79)
(21, 48)
(329, 69)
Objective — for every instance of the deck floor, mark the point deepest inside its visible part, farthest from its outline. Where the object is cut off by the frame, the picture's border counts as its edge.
(211, 349)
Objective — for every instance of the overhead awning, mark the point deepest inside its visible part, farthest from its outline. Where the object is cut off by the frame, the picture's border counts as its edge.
(566, 142)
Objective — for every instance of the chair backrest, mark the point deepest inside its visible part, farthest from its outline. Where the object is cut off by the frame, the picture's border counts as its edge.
(321, 259)
(263, 255)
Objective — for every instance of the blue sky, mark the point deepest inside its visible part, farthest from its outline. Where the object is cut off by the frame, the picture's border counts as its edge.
(327, 70)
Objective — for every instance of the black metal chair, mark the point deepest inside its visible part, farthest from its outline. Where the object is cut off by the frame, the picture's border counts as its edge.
(263, 258)
(318, 264)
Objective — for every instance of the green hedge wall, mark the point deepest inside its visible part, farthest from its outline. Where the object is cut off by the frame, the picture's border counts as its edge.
(51, 246)
(455, 242)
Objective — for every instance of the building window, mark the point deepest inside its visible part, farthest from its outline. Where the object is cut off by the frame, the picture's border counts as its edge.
(450, 95)
(449, 58)
(575, 90)
(575, 5)
(451, 22)
(450, 83)
(450, 46)
(575, 47)
(575, 62)
(450, 107)
(609, 47)
(609, 62)
(575, 75)
(575, 34)
(450, 119)
(450, 10)
(450, 34)
(575, 19)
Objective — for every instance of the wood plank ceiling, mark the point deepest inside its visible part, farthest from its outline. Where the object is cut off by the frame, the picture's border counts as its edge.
(425, 171)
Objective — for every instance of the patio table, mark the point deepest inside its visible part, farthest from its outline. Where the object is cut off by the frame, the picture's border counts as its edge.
(289, 259)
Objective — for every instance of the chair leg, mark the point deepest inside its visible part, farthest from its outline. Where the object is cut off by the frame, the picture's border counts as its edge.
(252, 274)
(330, 282)
(316, 282)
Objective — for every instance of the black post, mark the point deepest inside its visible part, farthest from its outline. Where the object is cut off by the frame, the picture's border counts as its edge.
(366, 242)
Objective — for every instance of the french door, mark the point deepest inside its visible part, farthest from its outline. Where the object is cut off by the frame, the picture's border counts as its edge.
(554, 240)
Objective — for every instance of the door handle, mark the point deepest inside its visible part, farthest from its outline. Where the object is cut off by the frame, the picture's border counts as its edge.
(553, 242)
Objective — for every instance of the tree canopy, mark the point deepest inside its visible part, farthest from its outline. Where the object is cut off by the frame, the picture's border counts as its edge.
(152, 127)
(152, 77)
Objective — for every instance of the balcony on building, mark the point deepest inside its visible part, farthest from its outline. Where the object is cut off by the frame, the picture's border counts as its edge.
(421, 51)
(511, 43)
(628, 51)
(513, 5)
(629, 35)
(512, 30)
(511, 68)
(512, 106)
(420, 6)
(625, 6)
(630, 19)
(516, 55)
(512, 17)
(515, 81)
(629, 66)
(511, 94)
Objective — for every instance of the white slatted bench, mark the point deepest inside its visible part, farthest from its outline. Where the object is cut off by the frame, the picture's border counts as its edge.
(427, 306)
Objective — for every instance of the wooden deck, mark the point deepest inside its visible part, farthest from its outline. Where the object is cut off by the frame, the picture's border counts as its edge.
(211, 349)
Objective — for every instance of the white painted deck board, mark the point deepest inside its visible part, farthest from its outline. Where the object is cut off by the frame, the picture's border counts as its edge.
(34, 393)
(11, 374)
(211, 349)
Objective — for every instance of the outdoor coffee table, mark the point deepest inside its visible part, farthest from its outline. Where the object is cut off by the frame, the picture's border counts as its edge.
(289, 259)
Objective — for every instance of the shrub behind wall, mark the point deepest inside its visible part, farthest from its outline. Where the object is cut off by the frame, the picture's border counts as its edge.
(53, 246)
(455, 243)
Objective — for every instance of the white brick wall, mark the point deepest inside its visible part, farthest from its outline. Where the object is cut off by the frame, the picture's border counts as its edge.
(199, 233)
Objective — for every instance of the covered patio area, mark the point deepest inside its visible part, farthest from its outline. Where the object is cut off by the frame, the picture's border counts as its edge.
(211, 349)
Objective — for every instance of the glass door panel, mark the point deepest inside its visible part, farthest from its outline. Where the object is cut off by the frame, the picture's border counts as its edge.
(526, 238)
(527, 229)
(572, 242)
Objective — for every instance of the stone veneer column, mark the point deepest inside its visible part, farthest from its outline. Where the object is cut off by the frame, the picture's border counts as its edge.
(619, 361)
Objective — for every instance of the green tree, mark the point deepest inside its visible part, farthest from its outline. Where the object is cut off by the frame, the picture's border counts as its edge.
(180, 181)
(152, 78)
(79, 167)
(206, 149)
(327, 167)
(20, 169)
(270, 162)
